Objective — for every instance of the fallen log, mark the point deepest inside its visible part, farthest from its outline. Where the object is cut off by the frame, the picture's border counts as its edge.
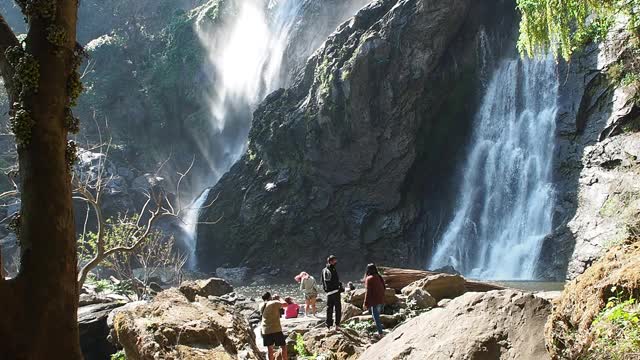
(398, 278)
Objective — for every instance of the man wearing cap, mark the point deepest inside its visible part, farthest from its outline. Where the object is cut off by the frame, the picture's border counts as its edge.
(333, 287)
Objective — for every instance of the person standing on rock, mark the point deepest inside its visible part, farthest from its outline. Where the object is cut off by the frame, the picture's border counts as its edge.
(310, 291)
(271, 328)
(333, 287)
(374, 297)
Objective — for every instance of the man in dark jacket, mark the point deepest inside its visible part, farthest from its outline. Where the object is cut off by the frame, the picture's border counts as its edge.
(333, 287)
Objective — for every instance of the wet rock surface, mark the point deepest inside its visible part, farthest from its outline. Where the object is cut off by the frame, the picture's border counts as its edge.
(597, 160)
(92, 322)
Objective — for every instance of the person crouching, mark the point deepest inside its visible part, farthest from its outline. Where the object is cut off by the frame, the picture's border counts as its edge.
(271, 328)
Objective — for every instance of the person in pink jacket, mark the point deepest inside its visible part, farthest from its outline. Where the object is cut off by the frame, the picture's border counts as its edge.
(291, 311)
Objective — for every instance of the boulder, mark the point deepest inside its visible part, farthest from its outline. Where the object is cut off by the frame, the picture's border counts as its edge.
(349, 311)
(344, 344)
(439, 286)
(235, 276)
(205, 288)
(92, 323)
(570, 333)
(398, 278)
(171, 327)
(356, 297)
(503, 324)
(420, 299)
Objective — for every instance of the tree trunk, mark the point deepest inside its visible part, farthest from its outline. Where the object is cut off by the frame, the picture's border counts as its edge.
(39, 306)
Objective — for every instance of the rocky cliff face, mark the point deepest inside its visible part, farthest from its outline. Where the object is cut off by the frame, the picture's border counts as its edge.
(597, 159)
(343, 161)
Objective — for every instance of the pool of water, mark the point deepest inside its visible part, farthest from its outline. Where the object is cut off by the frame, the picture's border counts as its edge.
(293, 290)
(533, 285)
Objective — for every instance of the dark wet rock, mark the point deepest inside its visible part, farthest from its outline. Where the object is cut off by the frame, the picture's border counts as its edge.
(92, 322)
(205, 288)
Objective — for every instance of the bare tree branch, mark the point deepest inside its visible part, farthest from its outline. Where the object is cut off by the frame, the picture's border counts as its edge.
(182, 176)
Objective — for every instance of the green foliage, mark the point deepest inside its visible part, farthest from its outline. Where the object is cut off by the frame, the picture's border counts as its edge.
(74, 87)
(71, 154)
(617, 328)
(27, 70)
(71, 123)
(301, 349)
(124, 287)
(120, 355)
(45, 9)
(565, 26)
(118, 232)
(367, 326)
(56, 35)
(21, 123)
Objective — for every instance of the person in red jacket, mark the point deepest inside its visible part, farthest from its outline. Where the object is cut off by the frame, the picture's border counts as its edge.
(374, 297)
(292, 308)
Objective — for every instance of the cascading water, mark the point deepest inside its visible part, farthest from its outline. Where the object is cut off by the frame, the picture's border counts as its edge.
(245, 58)
(506, 196)
(190, 220)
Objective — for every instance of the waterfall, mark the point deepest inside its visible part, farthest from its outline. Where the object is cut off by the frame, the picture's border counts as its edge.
(506, 197)
(190, 220)
(244, 63)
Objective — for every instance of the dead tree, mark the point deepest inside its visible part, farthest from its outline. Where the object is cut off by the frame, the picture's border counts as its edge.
(91, 190)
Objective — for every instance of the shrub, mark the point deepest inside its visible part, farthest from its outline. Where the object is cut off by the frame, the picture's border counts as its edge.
(120, 355)
(617, 329)
(301, 350)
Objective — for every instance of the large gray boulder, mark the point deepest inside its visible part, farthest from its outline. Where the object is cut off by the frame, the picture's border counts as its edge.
(495, 325)
(171, 327)
(205, 288)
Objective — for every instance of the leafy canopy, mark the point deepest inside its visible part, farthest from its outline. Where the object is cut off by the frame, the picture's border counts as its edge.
(565, 26)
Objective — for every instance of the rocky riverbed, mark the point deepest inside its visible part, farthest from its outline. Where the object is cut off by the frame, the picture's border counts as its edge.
(434, 316)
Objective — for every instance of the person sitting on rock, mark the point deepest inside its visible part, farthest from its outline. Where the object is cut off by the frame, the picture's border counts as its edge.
(333, 287)
(374, 297)
(292, 308)
(271, 328)
(310, 291)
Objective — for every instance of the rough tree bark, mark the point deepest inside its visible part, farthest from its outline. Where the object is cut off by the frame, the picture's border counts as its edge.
(39, 306)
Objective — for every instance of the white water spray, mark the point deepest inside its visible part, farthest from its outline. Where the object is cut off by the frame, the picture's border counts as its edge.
(245, 62)
(246, 56)
(506, 196)
(190, 225)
